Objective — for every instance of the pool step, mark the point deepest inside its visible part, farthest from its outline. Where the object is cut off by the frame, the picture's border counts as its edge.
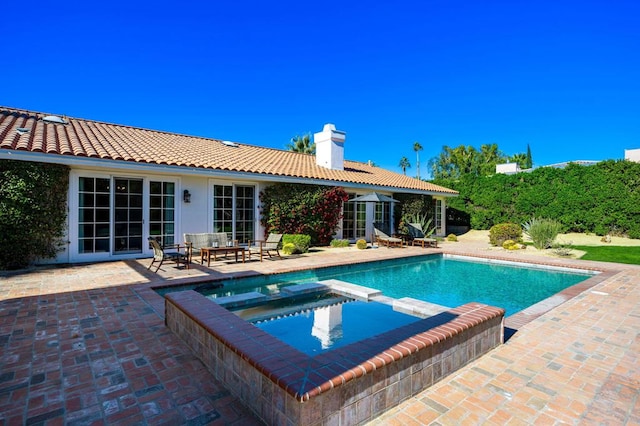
(306, 288)
(243, 299)
(351, 290)
(417, 307)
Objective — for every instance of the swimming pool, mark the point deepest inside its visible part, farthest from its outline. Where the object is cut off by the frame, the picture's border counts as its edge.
(447, 281)
(242, 354)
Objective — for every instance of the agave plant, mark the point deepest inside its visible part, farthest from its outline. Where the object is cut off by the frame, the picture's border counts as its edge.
(542, 231)
(423, 220)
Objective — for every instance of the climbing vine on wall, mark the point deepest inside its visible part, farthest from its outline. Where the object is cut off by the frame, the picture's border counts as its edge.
(33, 211)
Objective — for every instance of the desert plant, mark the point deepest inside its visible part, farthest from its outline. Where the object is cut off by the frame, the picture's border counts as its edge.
(502, 232)
(542, 231)
(339, 243)
(361, 244)
(452, 237)
(562, 249)
(423, 219)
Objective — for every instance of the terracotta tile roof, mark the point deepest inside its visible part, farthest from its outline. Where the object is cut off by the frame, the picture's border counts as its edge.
(93, 139)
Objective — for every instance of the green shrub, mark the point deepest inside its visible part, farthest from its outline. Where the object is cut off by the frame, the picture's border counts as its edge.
(339, 243)
(510, 245)
(288, 248)
(452, 237)
(502, 232)
(361, 244)
(300, 242)
(33, 212)
(542, 231)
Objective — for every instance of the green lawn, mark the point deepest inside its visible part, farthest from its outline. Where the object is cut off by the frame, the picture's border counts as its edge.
(618, 254)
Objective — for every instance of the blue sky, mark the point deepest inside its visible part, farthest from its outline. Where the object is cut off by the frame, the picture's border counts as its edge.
(561, 76)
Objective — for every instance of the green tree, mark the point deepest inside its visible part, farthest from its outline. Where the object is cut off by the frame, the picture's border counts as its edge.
(442, 166)
(529, 163)
(466, 159)
(453, 163)
(488, 157)
(404, 165)
(302, 144)
(417, 148)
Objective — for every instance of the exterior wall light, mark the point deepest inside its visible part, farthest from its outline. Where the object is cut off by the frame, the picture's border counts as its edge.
(186, 196)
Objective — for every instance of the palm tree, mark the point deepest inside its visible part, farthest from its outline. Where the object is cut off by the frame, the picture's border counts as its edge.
(489, 156)
(302, 144)
(417, 147)
(404, 164)
(466, 159)
(520, 159)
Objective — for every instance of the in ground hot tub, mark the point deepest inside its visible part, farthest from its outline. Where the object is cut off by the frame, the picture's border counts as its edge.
(323, 321)
(352, 383)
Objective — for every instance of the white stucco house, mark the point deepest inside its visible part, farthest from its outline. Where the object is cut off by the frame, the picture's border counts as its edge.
(632, 155)
(128, 183)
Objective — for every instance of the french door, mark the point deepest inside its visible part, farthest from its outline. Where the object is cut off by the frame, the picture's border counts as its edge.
(127, 208)
(112, 212)
(234, 211)
(354, 220)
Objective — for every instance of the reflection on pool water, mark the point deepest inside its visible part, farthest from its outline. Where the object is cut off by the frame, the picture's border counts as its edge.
(316, 325)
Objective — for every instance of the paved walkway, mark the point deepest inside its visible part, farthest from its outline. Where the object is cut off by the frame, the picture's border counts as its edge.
(86, 344)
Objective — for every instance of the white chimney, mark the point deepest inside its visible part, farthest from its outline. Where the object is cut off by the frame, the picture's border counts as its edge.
(330, 147)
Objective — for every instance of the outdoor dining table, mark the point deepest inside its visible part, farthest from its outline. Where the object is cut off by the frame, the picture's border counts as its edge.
(206, 253)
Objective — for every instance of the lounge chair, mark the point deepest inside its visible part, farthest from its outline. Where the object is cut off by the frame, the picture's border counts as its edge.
(419, 238)
(263, 248)
(382, 238)
(160, 255)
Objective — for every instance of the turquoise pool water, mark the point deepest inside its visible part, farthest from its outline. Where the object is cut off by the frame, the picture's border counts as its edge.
(435, 279)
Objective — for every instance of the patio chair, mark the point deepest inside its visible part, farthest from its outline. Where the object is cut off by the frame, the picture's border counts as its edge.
(160, 255)
(194, 242)
(382, 238)
(419, 238)
(263, 248)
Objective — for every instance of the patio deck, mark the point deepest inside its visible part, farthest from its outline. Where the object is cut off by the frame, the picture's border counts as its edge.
(86, 344)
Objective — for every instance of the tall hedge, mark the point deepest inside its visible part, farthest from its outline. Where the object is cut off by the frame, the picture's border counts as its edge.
(33, 211)
(603, 198)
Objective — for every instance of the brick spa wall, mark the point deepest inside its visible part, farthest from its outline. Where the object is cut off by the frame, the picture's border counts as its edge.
(349, 385)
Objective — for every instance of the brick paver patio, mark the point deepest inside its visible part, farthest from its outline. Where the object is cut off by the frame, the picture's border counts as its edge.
(86, 344)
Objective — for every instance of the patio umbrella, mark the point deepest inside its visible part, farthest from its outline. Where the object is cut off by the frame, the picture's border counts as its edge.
(373, 197)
